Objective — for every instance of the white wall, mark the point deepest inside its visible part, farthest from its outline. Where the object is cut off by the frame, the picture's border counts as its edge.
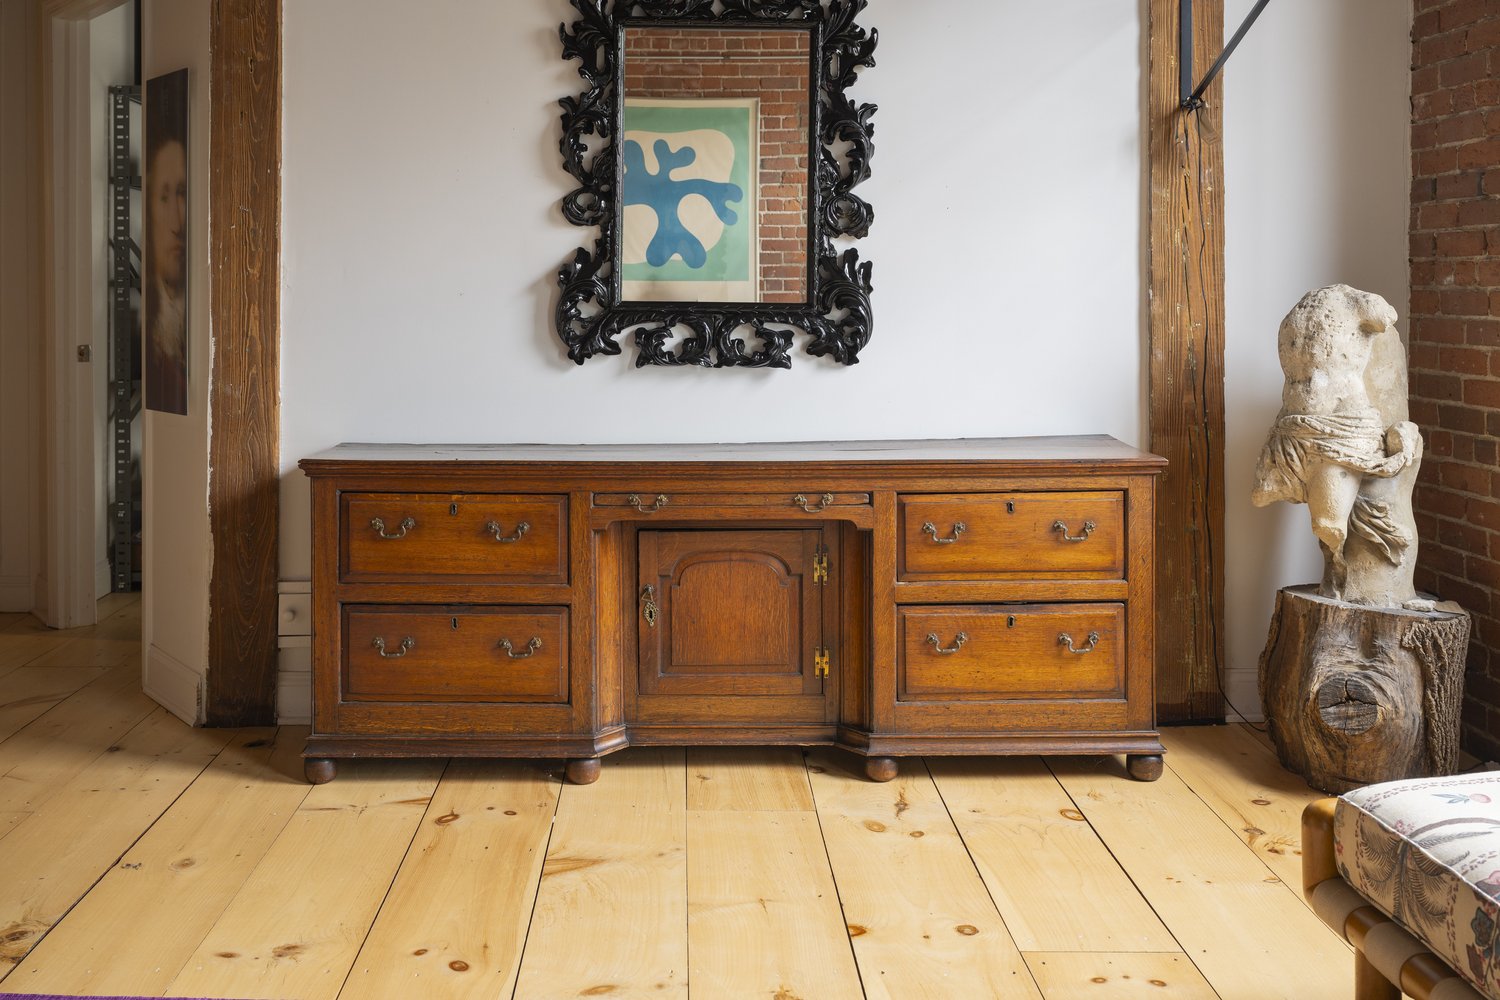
(20, 320)
(1317, 191)
(178, 550)
(111, 63)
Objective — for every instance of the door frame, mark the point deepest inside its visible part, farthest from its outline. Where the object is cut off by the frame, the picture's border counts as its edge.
(65, 596)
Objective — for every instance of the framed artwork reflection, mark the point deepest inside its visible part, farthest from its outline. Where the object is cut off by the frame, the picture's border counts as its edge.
(690, 226)
(164, 271)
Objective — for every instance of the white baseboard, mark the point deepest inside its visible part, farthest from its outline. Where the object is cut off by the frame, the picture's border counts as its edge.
(1243, 688)
(16, 593)
(294, 683)
(294, 698)
(104, 578)
(174, 685)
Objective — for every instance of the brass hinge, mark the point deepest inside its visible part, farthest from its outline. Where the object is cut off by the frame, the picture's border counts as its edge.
(820, 566)
(822, 661)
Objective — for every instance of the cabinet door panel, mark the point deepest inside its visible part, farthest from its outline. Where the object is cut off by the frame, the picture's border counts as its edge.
(737, 612)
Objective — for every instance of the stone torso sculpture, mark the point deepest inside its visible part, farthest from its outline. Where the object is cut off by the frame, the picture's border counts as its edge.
(1342, 444)
(1361, 678)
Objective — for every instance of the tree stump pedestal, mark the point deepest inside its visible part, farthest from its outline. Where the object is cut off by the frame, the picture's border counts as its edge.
(1355, 694)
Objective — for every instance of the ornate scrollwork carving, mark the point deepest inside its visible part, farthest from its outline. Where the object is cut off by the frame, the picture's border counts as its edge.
(589, 316)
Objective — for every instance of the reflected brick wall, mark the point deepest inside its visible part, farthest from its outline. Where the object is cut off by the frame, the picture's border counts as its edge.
(773, 66)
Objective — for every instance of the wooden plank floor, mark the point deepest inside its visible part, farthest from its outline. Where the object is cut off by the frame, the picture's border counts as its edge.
(140, 857)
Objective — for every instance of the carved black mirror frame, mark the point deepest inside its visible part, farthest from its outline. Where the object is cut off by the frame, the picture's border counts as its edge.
(591, 314)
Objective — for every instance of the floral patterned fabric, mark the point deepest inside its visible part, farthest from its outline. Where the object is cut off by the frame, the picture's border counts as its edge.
(1427, 852)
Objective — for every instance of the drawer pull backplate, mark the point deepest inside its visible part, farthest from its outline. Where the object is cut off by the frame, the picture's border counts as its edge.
(635, 501)
(493, 527)
(958, 643)
(825, 502)
(531, 648)
(1088, 529)
(1064, 639)
(406, 525)
(406, 645)
(931, 529)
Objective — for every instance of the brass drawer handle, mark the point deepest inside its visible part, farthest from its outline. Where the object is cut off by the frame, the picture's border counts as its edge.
(406, 645)
(493, 527)
(661, 501)
(1088, 529)
(406, 525)
(1064, 639)
(931, 529)
(825, 502)
(531, 648)
(648, 606)
(958, 643)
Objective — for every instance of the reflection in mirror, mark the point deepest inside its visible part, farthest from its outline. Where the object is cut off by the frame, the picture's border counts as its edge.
(715, 153)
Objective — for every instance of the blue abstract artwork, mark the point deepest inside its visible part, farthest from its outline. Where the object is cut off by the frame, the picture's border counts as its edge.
(689, 217)
(663, 194)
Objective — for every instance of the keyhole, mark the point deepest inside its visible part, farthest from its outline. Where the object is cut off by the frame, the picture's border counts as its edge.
(1010, 621)
(455, 624)
(1010, 506)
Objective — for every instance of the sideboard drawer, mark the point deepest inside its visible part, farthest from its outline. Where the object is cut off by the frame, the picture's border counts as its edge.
(1036, 535)
(468, 654)
(810, 501)
(1002, 652)
(477, 537)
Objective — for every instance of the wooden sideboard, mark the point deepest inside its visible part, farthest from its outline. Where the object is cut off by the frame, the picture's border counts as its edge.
(892, 598)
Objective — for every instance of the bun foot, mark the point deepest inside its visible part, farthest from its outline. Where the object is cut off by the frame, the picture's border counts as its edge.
(1143, 766)
(584, 770)
(880, 768)
(319, 770)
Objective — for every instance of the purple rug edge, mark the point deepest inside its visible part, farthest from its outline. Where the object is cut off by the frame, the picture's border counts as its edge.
(78, 996)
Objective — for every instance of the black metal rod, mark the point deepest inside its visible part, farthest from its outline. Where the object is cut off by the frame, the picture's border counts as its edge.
(1195, 100)
(1185, 49)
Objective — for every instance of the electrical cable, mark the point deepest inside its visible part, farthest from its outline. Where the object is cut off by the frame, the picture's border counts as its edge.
(1213, 623)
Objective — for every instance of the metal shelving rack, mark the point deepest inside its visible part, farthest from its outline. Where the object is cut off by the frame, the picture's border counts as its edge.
(124, 338)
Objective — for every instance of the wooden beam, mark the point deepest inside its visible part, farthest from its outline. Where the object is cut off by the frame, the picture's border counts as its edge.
(244, 389)
(1187, 367)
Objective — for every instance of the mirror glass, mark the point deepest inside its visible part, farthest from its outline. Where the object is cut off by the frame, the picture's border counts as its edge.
(714, 159)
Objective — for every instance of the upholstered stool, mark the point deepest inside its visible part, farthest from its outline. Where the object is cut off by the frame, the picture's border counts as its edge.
(1409, 873)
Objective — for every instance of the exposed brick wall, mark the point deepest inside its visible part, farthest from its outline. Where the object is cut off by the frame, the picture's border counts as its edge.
(1455, 328)
(773, 66)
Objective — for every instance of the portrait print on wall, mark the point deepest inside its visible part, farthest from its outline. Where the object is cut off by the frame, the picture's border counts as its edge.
(164, 257)
(690, 227)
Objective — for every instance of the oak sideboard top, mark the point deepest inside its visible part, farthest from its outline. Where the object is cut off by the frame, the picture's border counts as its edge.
(1013, 454)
